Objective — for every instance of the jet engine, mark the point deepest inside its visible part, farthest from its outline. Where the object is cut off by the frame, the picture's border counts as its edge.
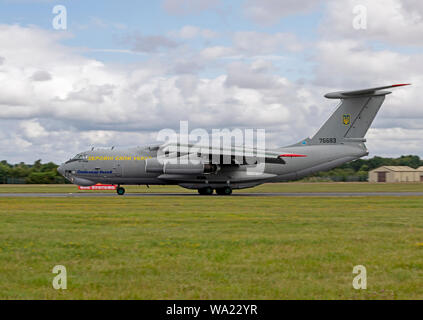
(82, 182)
(179, 167)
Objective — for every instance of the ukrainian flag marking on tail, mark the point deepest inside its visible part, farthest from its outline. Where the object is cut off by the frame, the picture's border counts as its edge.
(347, 119)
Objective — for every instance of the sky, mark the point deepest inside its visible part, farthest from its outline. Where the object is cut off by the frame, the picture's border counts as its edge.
(120, 71)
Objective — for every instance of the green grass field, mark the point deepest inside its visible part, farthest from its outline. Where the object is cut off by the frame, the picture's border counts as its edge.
(213, 247)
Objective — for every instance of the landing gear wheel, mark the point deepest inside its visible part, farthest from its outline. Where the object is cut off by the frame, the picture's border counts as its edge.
(205, 191)
(120, 191)
(225, 191)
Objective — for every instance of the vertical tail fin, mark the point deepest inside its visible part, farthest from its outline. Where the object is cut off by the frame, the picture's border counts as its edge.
(353, 117)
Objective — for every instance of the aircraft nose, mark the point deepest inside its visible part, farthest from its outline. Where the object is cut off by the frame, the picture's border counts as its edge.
(61, 170)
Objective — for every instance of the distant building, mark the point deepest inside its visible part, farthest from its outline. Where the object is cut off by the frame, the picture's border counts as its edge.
(421, 173)
(396, 174)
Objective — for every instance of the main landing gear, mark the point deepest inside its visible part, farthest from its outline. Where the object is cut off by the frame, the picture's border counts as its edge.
(225, 191)
(205, 191)
(220, 191)
(120, 191)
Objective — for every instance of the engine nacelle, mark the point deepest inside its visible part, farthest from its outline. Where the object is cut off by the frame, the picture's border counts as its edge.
(170, 167)
(82, 182)
(186, 168)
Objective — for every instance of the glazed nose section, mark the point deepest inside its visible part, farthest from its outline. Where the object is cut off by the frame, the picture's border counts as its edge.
(61, 170)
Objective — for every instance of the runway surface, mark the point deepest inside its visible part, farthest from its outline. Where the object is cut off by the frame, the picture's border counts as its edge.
(135, 195)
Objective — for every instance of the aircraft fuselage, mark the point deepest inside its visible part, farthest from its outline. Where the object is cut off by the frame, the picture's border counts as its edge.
(128, 167)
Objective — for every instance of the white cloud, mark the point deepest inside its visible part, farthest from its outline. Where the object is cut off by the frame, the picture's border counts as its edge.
(258, 75)
(251, 44)
(352, 63)
(381, 141)
(41, 75)
(149, 43)
(217, 52)
(191, 32)
(32, 129)
(394, 22)
(263, 43)
(271, 11)
(185, 7)
(92, 93)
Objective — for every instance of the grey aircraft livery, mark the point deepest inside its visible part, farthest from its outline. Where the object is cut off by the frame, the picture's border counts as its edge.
(339, 140)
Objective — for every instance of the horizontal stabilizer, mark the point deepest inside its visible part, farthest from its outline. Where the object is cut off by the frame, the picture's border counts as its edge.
(362, 93)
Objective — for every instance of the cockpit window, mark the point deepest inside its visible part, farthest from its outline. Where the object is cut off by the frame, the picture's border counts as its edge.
(79, 157)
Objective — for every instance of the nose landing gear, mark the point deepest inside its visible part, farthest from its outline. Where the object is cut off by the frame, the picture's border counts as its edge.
(120, 191)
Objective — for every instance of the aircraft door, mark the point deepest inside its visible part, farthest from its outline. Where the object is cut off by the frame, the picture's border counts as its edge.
(117, 168)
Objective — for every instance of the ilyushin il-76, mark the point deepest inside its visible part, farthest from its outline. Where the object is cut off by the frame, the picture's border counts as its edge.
(208, 169)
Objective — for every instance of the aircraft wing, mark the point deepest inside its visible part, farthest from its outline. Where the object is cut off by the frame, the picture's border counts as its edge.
(231, 155)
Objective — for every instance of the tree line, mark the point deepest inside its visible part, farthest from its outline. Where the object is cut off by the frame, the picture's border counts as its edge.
(36, 173)
(39, 173)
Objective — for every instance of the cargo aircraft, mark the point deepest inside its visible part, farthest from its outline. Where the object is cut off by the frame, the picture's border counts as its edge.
(208, 169)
